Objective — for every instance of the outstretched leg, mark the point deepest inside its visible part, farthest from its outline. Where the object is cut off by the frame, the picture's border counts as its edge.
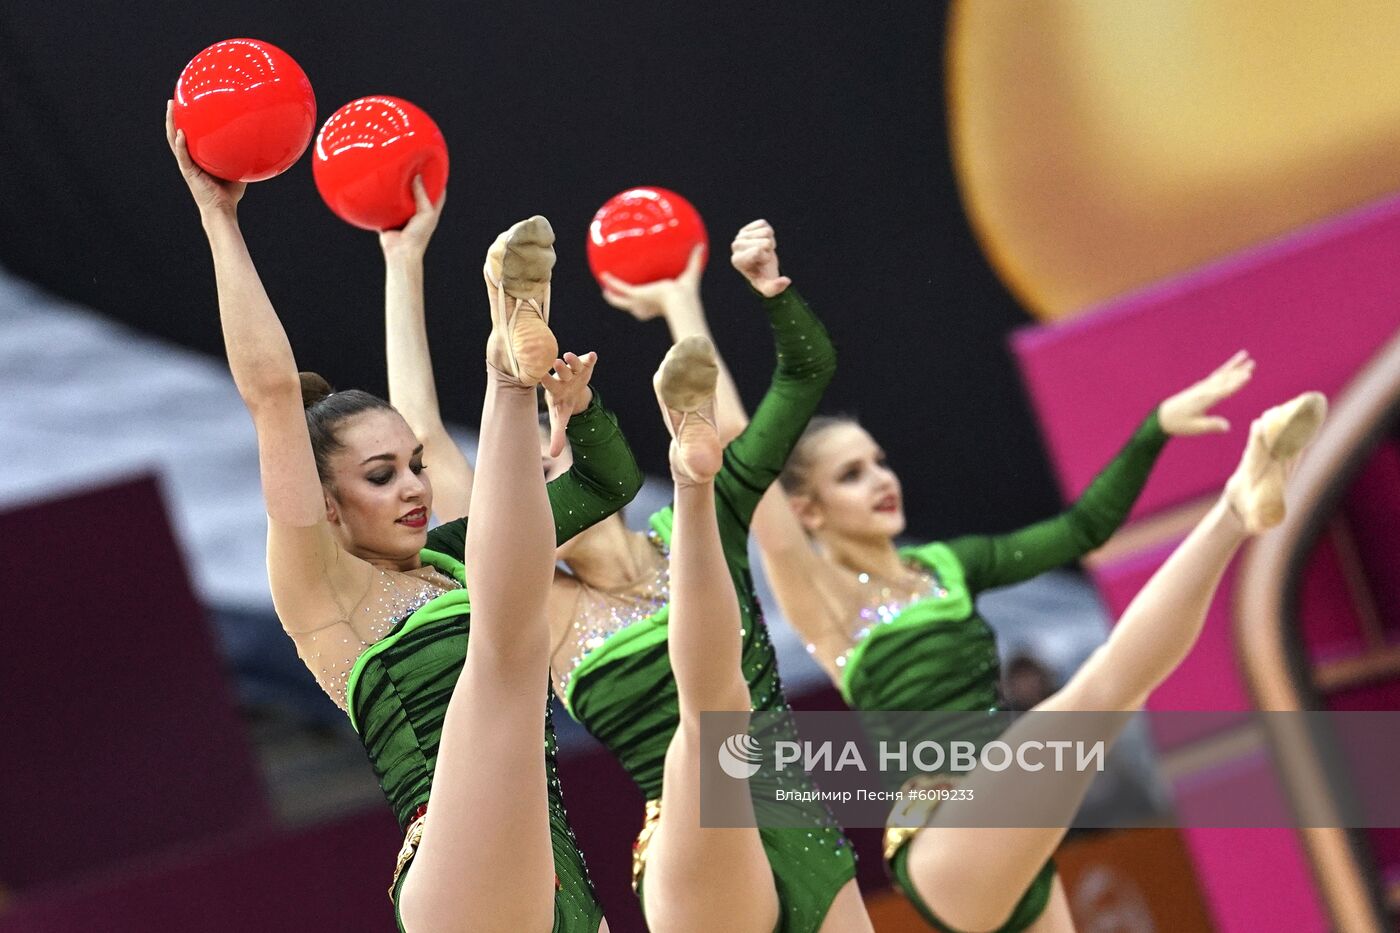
(486, 861)
(696, 874)
(973, 877)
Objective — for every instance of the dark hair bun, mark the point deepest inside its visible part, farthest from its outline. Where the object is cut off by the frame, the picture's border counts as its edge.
(313, 389)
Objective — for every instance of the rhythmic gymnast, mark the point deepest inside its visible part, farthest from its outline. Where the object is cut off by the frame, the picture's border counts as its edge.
(897, 629)
(379, 607)
(634, 676)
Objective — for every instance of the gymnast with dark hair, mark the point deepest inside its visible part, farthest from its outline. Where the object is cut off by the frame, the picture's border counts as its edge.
(381, 609)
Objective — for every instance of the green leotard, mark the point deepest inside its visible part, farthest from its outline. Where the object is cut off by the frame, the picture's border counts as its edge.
(399, 688)
(939, 654)
(624, 692)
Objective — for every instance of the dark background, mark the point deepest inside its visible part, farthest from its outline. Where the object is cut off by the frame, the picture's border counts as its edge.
(828, 119)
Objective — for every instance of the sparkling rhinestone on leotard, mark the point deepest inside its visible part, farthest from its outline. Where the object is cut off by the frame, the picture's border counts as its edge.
(885, 603)
(601, 614)
(332, 650)
(398, 595)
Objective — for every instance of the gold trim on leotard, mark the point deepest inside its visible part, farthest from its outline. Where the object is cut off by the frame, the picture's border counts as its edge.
(907, 817)
(411, 838)
(639, 848)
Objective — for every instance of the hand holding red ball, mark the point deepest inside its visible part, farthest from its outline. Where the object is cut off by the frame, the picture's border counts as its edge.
(246, 108)
(367, 155)
(644, 235)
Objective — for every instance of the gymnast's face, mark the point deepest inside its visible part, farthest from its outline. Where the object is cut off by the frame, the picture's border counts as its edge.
(379, 498)
(851, 492)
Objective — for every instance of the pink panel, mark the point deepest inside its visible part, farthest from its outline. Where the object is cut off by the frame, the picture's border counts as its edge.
(1253, 879)
(1209, 678)
(1256, 879)
(1373, 509)
(1311, 307)
(1239, 792)
(1331, 626)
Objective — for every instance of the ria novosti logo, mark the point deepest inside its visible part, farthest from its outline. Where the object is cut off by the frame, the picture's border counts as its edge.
(740, 756)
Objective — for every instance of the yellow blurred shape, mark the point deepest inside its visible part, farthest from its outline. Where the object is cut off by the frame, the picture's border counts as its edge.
(1104, 144)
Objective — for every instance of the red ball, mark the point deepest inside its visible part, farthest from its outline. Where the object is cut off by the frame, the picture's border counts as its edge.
(247, 109)
(366, 156)
(644, 235)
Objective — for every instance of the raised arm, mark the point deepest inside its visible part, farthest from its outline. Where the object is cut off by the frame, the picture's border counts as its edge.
(746, 488)
(309, 573)
(806, 362)
(800, 578)
(786, 550)
(604, 476)
(412, 389)
(999, 560)
(677, 302)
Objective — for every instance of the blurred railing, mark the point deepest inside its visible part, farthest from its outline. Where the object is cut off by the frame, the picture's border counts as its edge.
(1278, 670)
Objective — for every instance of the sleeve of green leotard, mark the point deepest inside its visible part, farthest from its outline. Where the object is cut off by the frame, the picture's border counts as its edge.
(806, 361)
(603, 479)
(1000, 560)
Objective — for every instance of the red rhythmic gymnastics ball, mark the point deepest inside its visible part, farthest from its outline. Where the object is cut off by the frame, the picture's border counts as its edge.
(247, 110)
(366, 156)
(644, 235)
